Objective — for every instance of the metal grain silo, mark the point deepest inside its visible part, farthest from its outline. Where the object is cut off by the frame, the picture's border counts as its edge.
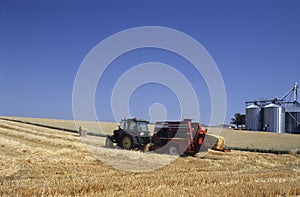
(292, 118)
(274, 118)
(253, 118)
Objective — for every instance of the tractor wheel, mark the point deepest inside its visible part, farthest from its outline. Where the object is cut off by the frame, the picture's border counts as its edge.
(128, 142)
(108, 143)
(172, 149)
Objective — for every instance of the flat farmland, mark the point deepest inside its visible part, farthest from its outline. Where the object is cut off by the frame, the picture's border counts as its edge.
(38, 161)
(260, 141)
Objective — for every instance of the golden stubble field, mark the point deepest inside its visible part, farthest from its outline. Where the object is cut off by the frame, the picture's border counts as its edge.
(37, 161)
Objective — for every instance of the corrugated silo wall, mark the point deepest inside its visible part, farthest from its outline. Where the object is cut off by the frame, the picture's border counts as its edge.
(274, 118)
(292, 120)
(253, 118)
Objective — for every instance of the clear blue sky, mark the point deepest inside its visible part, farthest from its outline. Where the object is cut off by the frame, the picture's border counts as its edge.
(255, 44)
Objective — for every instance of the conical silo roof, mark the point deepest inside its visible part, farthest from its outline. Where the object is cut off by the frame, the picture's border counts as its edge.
(272, 105)
(253, 106)
(295, 107)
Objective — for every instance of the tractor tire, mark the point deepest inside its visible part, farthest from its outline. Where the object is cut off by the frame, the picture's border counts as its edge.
(128, 142)
(172, 149)
(108, 143)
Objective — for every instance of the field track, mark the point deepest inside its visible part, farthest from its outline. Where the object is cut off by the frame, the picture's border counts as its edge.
(38, 161)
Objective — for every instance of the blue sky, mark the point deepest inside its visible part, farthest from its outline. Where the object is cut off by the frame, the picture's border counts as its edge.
(255, 45)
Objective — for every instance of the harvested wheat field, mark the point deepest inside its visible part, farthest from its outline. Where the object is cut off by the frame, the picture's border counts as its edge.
(38, 161)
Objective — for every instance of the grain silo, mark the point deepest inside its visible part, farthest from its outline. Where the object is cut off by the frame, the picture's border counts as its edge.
(277, 115)
(254, 117)
(274, 118)
(292, 118)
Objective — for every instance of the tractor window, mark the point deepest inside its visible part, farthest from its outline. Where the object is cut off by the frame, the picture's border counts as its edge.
(122, 125)
(132, 126)
(142, 126)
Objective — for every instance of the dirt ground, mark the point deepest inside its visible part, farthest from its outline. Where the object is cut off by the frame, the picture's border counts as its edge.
(37, 161)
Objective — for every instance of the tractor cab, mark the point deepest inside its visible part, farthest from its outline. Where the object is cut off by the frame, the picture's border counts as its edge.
(134, 126)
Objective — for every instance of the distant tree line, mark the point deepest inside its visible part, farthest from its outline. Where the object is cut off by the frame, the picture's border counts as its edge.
(238, 119)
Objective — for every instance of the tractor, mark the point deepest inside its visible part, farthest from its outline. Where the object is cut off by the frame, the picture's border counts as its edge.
(132, 134)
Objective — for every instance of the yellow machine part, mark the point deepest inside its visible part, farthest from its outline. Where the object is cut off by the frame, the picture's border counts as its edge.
(220, 143)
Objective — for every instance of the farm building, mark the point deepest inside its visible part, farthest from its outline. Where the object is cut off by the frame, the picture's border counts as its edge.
(277, 115)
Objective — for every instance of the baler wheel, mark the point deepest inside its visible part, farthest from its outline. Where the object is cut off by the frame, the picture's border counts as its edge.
(172, 149)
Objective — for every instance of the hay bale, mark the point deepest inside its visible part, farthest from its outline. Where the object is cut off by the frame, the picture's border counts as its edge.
(220, 144)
